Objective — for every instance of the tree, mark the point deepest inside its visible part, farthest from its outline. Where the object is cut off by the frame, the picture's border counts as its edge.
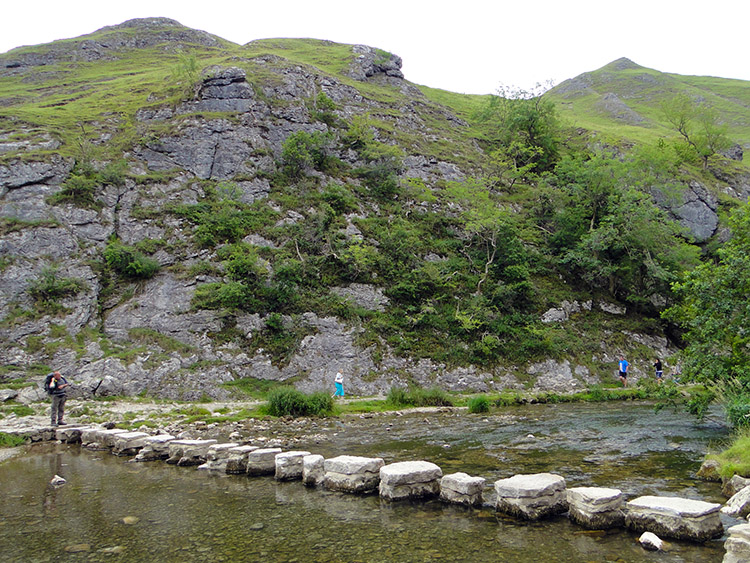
(524, 130)
(714, 310)
(698, 125)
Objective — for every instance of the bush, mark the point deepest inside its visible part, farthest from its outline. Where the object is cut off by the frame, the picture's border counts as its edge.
(287, 401)
(129, 262)
(479, 404)
(417, 397)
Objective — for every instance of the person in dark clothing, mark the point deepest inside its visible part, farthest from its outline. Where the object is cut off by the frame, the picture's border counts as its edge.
(658, 370)
(57, 387)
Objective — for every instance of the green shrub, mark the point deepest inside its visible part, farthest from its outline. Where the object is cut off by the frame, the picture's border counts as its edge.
(417, 397)
(479, 404)
(49, 288)
(287, 401)
(129, 262)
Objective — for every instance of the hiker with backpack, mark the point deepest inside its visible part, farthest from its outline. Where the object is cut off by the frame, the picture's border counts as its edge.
(56, 386)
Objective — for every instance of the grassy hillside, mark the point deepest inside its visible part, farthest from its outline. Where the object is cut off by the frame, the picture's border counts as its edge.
(471, 216)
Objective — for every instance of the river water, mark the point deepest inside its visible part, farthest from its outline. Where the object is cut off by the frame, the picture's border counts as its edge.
(114, 510)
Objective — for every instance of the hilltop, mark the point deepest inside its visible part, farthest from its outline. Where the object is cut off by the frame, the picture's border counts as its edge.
(184, 217)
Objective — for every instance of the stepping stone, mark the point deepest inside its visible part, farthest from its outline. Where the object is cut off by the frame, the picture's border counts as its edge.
(218, 456)
(737, 545)
(531, 497)
(352, 474)
(155, 448)
(129, 443)
(596, 508)
(289, 465)
(262, 461)
(188, 452)
(237, 460)
(409, 479)
(675, 517)
(313, 470)
(460, 488)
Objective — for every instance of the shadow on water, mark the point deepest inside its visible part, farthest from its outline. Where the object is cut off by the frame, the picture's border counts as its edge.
(113, 510)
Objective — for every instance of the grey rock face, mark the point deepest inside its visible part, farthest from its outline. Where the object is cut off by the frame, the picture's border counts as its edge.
(693, 206)
(369, 62)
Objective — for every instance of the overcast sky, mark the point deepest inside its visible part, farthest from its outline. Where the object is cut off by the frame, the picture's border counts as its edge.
(468, 46)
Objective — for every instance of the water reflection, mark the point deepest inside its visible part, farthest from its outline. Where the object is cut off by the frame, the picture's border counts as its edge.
(113, 510)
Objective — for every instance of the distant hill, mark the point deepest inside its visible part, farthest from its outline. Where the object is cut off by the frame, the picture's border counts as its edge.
(622, 99)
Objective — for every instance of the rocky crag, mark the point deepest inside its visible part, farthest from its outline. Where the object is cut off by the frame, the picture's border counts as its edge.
(226, 131)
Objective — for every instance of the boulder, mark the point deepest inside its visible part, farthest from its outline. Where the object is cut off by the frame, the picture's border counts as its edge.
(313, 470)
(738, 506)
(532, 497)
(262, 461)
(155, 448)
(461, 488)
(129, 443)
(596, 508)
(674, 517)
(237, 459)
(289, 465)
(352, 474)
(651, 542)
(709, 470)
(737, 545)
(218, 456)
(734, 485)
(409, 479)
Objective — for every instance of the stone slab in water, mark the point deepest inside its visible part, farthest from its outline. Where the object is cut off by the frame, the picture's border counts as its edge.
(105, 438)
(532, 497)
(409, 479)
(155, 448)
(596, 508)
(313, 470)
(188, 452)
(289, 465)
(217, 456)
(237, 460)
(70, 434)
(352, 474)
(675, 517)
(461, 488)
(262, 461)
(737, 545)
(128, 443)
(738, 506)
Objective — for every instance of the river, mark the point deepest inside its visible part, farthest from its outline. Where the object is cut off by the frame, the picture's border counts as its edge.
(114, 510)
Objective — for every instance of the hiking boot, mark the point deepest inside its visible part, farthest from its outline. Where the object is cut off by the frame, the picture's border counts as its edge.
(62, 424)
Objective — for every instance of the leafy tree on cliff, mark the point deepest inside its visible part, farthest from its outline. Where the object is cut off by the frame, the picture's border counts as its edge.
(715, 312)
(698, 125)
(524, 130)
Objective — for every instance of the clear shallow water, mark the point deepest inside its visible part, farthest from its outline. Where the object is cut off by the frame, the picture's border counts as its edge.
(186, 515)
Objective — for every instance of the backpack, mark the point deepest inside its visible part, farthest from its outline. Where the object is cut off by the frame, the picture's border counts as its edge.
(47, 383)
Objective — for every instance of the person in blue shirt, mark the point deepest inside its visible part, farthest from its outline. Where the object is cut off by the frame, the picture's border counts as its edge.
(624, 371)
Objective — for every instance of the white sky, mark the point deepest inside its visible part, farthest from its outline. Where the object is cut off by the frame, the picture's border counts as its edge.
(468, 46)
